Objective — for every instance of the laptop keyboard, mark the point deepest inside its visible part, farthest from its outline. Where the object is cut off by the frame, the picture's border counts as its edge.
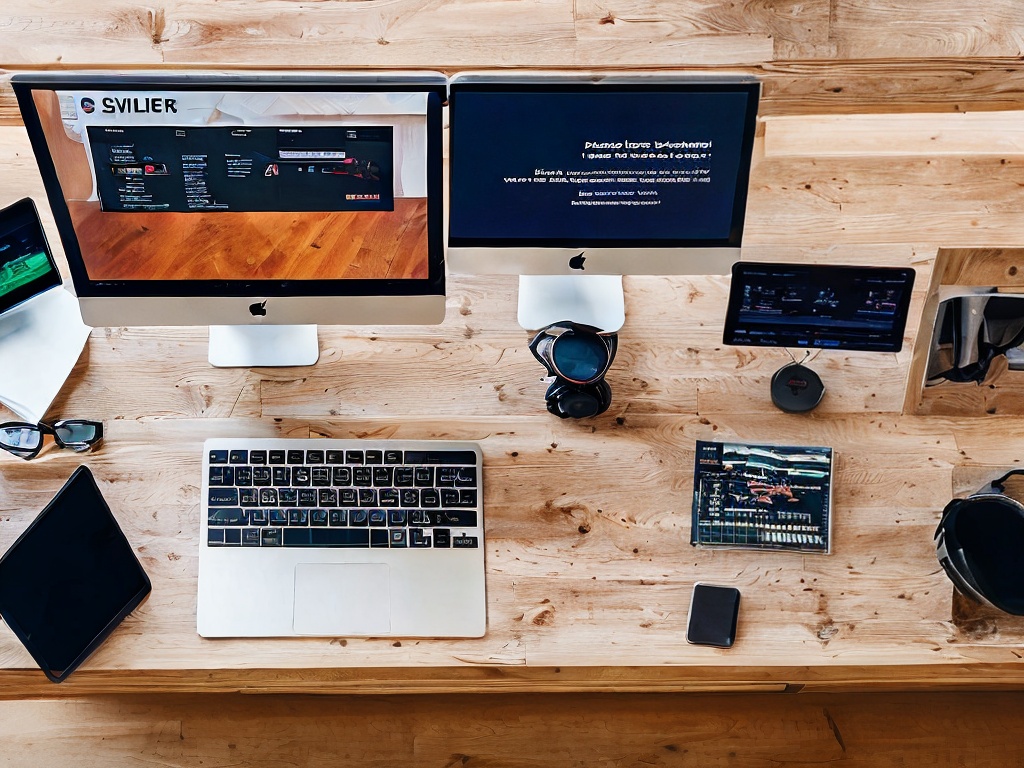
(284, 492)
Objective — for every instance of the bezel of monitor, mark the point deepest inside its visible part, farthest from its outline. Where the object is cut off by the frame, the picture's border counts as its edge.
(140, 299)
(612, 256)
(831, 274)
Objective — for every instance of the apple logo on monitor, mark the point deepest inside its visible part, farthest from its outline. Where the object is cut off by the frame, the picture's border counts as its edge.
(258, 309)
(576, 262)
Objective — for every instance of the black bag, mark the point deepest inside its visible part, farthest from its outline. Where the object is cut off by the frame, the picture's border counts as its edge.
(980, 544)
(970, 332)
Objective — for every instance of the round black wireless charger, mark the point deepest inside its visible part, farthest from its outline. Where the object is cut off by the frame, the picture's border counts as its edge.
(796, 388)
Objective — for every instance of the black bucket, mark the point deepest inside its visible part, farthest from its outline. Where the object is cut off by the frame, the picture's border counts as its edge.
(980, 545)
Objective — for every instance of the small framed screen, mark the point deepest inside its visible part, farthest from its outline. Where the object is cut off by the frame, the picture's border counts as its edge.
(26, 265)
(818, 306)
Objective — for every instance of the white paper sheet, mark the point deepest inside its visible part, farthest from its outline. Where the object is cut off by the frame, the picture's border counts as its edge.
(40, 342)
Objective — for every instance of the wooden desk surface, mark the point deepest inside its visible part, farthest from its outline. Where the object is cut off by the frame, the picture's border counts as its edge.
(589, 567)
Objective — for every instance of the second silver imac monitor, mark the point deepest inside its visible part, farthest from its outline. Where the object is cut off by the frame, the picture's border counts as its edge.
(572, 180)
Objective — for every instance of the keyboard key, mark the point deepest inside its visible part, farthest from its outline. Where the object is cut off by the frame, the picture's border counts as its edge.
(298, 517)
(430, 497)
(446, 477)
(417, 538)
(348, 497)
(238, 457)
(257, 457)
(301, 476)
(296, 457)
(308, 497)
(271, 537)
(388, 497)
(268, 497)
(368, 497)
(321, 477)
(248, 497)
(288, 497)
(318, 517)
(378, 537)
(403, 477)
(279, 517)
(250, 537)
(396, 517)
(464, 542)
(396, 537)
(340, 537)
(353, 457)
(338, 517)
(341, 476)
(232, 537)
(392, 457)
(222, 497)
(410, 497)
(295, 537)
(276, 457)
(449, 497)
(221, 475)
(423, 476)
(374, 457)
(327, 497)
(314, 457)
(466, 477)
(262, 476)
(259, 517)
(457, 518)
(227, 516)
(243, 476)
(218, 457)
(442, 538)
(467, 497)
(362, 477)
(378, 517)
(382, 476)
(358, 517)
(282, 476)
(440, 457)
(335, 457)
(215, 536)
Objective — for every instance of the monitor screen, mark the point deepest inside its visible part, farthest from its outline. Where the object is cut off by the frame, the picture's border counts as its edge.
(26, 266)
(257, 187)
(640, 174)
(818, 306)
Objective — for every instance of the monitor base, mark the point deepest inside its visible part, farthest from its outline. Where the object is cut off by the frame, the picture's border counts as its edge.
(263, 346)
(595, 300)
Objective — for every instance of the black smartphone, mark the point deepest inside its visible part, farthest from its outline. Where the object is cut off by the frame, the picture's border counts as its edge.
(714, 611)
(26, 263)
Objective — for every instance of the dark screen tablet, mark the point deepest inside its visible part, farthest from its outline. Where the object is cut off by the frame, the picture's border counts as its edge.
(26, 264)
(823, 306)
(70, 579)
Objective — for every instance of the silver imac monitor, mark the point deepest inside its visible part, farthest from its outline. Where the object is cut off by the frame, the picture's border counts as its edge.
(572, 180)
(258, 204)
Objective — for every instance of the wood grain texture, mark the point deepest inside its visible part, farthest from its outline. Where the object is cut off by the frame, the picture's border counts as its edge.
(589, 565)
(519, 731)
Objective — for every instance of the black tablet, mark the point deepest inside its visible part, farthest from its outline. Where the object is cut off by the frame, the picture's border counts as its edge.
(26, 264)
(69, 580)
(827, 306)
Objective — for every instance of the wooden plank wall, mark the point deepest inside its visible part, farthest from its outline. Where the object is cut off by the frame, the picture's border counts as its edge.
(813, 55)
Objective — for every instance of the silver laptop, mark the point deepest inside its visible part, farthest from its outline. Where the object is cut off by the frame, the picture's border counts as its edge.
(341, 538)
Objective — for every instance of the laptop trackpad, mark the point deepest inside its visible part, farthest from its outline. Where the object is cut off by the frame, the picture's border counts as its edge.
(342, 599)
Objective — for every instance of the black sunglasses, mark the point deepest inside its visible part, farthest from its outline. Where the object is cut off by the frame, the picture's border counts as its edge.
(26, 440)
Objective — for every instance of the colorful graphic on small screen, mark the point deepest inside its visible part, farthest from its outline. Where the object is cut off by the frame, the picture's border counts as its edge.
(23, 258)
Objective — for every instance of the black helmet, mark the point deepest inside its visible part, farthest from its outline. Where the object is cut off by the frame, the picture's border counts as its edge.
(980, 545)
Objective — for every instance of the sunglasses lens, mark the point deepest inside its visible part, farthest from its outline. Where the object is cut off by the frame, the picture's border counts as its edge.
(81, 433)
(20, 438)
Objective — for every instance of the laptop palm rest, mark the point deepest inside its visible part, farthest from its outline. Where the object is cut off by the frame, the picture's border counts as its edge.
(342, 599)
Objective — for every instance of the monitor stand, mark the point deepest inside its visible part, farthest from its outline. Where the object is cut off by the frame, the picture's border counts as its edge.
(263, 346)
(595, 300)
